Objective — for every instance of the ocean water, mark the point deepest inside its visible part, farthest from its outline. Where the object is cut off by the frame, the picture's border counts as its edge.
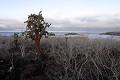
(7, 33)
(62, 33)
(58, 33)
(87, 34)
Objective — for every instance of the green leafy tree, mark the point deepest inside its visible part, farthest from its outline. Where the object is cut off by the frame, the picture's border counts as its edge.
(36, 28)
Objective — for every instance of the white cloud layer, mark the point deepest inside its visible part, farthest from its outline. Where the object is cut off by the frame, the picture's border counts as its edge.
(67, 23)
(93, 23)
(11, 25)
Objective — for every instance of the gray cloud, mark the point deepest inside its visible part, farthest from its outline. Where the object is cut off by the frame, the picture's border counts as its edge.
(89, 23)
(11, 25)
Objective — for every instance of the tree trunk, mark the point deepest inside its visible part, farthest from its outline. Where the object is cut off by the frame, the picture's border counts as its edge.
(37, 45)
(15, 41)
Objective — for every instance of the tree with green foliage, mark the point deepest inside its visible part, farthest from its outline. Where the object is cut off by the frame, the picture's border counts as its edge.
(36, 28)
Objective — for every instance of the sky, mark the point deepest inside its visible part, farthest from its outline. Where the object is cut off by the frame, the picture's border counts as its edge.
(64, 15)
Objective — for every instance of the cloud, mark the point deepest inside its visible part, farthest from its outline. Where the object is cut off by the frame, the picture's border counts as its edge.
(88, 23)
(76, 23)
(11, 25)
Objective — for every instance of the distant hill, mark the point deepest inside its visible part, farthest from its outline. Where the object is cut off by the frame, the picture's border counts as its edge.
(111, 33)
(51, 34)
(71, 34)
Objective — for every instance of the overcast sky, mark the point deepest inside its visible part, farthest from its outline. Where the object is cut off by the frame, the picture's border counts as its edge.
(64, 15)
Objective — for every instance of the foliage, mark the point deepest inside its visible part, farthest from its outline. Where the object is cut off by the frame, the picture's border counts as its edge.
(36, 28)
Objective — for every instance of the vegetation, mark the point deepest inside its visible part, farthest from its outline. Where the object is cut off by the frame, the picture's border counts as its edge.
(16, 38)
(61, 58)
(78, 58)
(36, 28)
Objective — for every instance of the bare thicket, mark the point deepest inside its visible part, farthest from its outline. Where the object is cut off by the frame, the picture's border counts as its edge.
(78, 58)
(83, 58)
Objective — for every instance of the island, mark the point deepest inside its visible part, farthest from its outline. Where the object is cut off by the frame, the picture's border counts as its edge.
(111, 33)
(71, 33)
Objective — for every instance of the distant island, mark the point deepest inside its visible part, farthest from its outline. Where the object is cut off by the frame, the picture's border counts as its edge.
(72, 33)
(51, 34)
(111, 33)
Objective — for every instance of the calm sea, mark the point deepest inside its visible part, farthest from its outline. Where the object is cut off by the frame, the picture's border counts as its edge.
(58, 33)
(61, 33)
(7, 33)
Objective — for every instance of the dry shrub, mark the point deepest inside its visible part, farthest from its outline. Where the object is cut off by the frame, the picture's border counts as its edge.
(88, 59)
(80, 58)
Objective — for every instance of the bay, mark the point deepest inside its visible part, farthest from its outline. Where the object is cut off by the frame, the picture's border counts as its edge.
(62, 33)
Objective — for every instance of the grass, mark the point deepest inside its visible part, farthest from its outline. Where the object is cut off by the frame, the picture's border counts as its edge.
(75, 58)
